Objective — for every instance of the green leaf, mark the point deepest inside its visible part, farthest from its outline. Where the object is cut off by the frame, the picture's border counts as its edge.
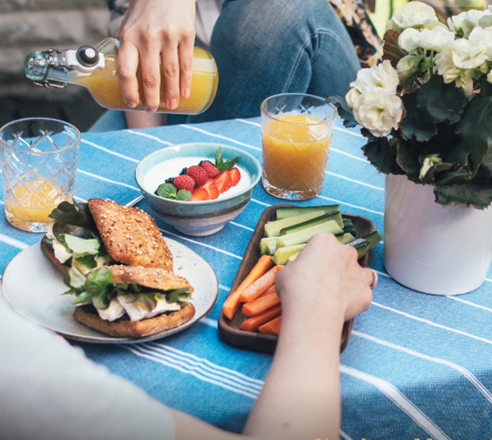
(382, 156)
(183, 194)
(83, 298)
(476, 129)
(407, 156)
(88, 261)
(177, 295)
(391, 49)
(81, 245)
(74, 278)
(458, 176)
(166, 190)
(344, 111)
(220, 164)
(100, 284)
(440, 102)
(74, 219)
(415, 124)
(464, 195)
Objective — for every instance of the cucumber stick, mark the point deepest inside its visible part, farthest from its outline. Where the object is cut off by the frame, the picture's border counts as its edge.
(268, 245)
(304, 235)
(364, 245)
(273, 228)
(344, 239)
(295, 210)
(283, 254)
(333, 215)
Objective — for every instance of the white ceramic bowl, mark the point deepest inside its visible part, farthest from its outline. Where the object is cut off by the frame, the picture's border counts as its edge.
(197, 218)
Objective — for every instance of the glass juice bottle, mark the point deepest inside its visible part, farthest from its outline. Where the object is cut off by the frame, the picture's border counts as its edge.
(97, 70)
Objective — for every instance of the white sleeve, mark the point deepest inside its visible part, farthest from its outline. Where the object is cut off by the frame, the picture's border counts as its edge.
(50, 390)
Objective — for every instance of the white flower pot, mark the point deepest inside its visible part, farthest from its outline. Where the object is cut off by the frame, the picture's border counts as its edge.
(432, 249)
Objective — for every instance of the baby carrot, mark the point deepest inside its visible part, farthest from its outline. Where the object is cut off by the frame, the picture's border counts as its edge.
(271, 327)
(262, 303)
(232, 303)
(260, 285)
(252, 324)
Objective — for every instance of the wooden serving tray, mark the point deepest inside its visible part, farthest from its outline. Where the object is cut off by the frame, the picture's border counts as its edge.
(255, 341)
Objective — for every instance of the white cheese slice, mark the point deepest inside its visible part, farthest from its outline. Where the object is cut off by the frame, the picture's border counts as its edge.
(49, 232)
(137, 310)
(60, 251)
(113, 312)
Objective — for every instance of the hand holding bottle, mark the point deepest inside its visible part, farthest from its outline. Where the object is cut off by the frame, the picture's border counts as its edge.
(154, 31)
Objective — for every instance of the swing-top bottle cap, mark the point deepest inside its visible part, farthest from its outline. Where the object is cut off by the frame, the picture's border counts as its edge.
(87, 56)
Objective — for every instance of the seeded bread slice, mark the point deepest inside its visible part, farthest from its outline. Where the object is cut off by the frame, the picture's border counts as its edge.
(136, 329)
(130, 235)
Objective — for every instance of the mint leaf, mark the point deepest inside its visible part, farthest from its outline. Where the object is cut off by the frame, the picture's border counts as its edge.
(221, 165)
(184, 194)
(166, 190)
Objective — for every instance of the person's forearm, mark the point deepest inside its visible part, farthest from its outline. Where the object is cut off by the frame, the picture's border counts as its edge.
(301, 396)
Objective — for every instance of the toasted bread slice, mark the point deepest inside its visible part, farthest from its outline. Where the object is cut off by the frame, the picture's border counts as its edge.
(51, 255)
(136, 329)
(130, 235)
(149, 277)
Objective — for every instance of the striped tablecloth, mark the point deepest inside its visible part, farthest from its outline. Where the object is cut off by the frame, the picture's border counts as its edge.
(417, 366)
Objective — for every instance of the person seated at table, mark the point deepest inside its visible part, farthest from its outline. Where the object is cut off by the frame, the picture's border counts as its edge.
(262, 48)
(49, 390)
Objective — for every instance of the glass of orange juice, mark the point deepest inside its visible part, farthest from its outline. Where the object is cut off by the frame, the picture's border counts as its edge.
(296, 132)
(39, 162)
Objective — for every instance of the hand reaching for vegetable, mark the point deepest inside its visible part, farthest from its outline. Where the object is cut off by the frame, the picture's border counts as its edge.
(326, 274)
(155, 30)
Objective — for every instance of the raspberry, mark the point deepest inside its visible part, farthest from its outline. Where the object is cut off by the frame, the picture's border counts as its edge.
(198, 174)
(184, 182)
(210, 168)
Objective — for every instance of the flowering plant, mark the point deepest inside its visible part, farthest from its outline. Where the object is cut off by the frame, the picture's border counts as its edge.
(427, 108)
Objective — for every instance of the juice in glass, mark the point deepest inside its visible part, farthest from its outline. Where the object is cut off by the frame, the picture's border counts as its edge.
(295, 148)
(39, 164)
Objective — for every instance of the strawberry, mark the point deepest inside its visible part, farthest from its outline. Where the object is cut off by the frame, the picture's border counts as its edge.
(223, 181)
(211, 187)
(199, 195)
(210, 168)
(184, 182)
(235, 176)
(198, 174)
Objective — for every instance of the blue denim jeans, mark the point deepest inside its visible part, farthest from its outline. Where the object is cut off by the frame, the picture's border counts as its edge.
(266, 47)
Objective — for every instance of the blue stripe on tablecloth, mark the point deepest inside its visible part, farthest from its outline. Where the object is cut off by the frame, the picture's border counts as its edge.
(403, 339)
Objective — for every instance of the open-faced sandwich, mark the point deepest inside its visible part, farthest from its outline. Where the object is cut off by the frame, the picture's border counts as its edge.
(130, 301)
(116, 262)
(101, 232)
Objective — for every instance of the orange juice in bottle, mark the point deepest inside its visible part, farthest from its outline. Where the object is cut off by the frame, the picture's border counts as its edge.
(97, 70)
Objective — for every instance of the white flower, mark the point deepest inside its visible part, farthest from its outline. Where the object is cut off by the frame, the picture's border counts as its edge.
(471, 53)
(351, 97)
(445, 66)
(414, 14)
(408, 66)
(489, 77)
(465, 22)
(435, 39)
(383, 76)
(378, 110)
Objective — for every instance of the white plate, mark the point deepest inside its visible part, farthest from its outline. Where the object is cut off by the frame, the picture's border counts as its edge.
(33, 286)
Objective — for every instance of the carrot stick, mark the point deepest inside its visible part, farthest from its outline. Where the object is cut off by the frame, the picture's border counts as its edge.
(232, 303)
(262, 303)
(252, 324)
(260, 285)
(271, 327)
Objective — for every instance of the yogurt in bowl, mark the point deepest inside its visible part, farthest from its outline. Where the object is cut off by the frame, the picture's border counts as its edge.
(171, 168)
(196, 218)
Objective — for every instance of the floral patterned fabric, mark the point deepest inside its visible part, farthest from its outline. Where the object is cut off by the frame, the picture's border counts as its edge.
(355, 17)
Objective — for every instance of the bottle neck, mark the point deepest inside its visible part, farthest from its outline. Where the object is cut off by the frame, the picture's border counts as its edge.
(57, 68)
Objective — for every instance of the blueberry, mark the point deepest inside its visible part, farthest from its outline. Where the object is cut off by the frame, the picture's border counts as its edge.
(170, 180)
(183, 171)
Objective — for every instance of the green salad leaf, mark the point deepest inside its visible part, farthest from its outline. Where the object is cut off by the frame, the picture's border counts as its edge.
(78, 245)
(73, 219)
